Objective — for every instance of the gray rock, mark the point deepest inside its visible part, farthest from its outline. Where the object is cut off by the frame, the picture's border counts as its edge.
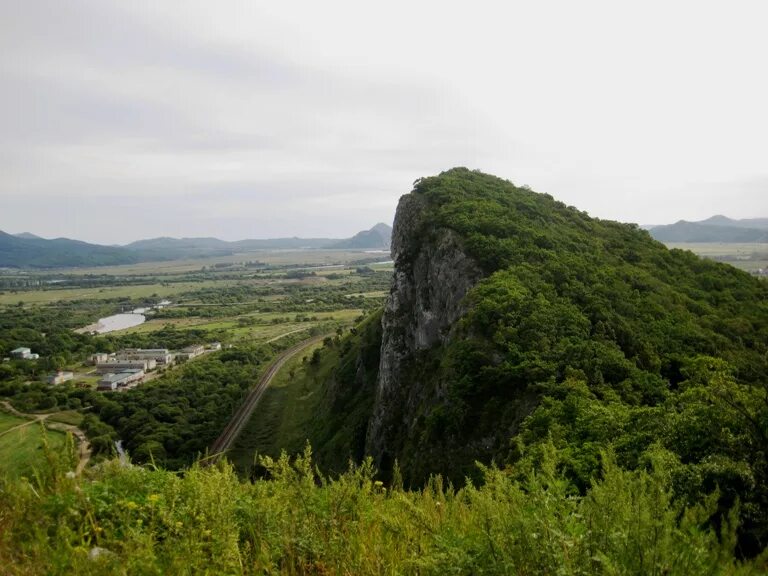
(432, 276)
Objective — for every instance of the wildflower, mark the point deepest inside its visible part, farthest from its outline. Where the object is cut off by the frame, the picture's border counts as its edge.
(152, 498)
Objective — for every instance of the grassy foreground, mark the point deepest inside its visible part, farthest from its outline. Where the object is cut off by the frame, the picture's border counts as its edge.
(132, 520)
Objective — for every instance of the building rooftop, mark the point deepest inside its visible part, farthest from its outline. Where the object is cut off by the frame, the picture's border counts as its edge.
(122, 375)
(150, 350)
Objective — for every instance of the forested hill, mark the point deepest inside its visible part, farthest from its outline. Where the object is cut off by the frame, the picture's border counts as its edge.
(29, 251)
(515, 319)
(26, 250)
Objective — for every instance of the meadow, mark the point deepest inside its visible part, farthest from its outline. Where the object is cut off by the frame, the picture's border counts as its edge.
(269, 257)
(23, 445)
(155, 290)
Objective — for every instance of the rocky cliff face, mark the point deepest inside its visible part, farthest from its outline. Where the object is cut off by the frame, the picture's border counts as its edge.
(432, 275)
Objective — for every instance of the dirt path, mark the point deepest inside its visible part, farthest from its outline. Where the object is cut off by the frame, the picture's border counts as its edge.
(243, 414)
(84, 447)
(276, 338)
(19, 426)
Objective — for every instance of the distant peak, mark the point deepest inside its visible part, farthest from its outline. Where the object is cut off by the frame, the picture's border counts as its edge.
(717, 219)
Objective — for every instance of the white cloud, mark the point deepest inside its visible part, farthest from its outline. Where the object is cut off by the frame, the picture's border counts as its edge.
(310, 118)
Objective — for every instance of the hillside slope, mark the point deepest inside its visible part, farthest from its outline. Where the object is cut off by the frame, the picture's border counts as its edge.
(514, 318)
(26, 250)
(29, 251)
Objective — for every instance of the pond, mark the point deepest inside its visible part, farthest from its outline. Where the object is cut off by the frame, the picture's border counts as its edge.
(117, 322)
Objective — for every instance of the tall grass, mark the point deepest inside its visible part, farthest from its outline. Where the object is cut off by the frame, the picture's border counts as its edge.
(205, 521)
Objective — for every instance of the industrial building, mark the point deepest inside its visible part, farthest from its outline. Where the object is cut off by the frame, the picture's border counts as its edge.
(120, 364)
(160, 355)
(24, 354)
(190, 352)
(119, 380)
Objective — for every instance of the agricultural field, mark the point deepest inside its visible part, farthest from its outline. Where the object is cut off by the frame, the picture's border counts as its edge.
(132, 292)
(269, 257)
(749, 257)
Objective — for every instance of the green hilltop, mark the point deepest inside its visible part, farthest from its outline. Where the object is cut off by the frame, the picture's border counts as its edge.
(584, 333)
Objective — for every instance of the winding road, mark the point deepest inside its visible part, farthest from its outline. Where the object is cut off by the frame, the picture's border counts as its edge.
(243, 414)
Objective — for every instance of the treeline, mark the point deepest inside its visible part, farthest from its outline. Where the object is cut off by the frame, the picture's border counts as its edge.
(47, 331)
(247, 298)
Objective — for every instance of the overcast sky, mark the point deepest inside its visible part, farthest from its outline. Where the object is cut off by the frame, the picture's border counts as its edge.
(247, 119)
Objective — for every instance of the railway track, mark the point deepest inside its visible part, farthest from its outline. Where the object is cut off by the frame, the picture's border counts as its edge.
(243, 413)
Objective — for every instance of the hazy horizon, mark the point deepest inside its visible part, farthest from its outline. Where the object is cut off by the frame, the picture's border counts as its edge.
(244, 120)
(331, 237)
(235, 239)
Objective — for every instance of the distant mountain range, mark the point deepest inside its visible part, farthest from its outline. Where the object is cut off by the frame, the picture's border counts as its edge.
(715, 229)
(27, 250)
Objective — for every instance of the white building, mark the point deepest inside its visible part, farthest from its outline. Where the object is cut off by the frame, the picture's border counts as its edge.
(24, 354)
(190, 352)
(59, 377)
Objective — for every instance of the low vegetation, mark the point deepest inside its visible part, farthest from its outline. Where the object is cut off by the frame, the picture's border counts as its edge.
(147, 521)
